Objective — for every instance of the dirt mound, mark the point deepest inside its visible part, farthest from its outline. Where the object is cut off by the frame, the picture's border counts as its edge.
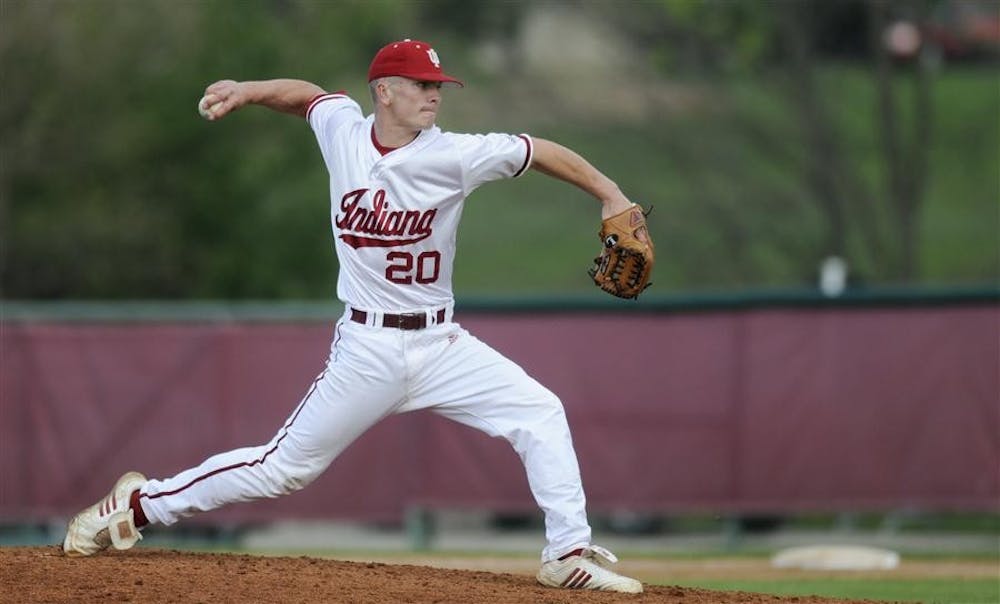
(44, 574)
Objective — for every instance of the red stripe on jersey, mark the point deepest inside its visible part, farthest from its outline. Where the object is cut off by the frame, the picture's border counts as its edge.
(319, 98)
(527, 157)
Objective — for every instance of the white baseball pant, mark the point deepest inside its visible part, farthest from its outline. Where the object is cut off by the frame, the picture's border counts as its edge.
(371, 373)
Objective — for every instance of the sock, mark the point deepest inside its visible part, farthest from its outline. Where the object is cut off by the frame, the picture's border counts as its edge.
(137, 514)
(576, 552)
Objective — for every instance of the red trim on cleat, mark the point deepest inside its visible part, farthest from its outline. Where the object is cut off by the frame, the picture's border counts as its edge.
(137, 514)
(576, 552)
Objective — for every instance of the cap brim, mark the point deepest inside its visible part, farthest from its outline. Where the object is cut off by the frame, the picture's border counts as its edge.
(434, 77)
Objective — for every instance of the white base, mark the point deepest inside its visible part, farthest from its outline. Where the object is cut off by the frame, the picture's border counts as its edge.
(836, 557)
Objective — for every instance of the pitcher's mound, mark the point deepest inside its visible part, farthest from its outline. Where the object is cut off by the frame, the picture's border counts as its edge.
(44, 574)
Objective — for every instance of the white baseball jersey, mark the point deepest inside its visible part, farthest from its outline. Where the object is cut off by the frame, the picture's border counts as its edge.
(395, 216)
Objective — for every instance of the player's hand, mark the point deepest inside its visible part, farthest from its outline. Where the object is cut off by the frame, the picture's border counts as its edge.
(222, 98)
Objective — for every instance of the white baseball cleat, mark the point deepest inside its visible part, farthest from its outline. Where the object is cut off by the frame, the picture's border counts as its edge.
(586, 568)
(108, 522)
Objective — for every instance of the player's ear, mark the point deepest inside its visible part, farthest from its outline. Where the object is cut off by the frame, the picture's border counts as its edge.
(383, 91)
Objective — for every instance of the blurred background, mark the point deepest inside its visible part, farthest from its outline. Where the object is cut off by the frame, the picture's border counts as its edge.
(768, 136)
(823, 172)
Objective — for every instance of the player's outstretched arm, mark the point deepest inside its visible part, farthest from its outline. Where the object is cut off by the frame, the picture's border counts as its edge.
(287, 96)
(559, 162)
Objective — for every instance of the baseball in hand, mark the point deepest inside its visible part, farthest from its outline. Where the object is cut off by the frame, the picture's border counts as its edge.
(208, 105)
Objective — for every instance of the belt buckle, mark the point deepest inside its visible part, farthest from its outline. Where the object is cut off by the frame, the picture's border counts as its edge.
(410, 320)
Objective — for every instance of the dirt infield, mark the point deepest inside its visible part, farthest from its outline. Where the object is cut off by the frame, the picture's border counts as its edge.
(44, 574)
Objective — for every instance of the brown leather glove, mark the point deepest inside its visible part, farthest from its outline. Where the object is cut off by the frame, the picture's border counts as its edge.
(625, 263)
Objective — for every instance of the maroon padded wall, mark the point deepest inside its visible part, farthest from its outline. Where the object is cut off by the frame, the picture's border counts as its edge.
(761, 410)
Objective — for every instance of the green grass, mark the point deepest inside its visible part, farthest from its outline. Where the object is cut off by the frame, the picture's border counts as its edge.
(938, 591)
(732, 208)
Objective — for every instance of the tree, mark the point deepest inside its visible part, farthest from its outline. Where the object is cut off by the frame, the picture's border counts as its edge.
(779, 41)
(904, 154)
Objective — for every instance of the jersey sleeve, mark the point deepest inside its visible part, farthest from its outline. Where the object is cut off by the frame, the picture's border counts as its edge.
(488, 157)
(327, 113)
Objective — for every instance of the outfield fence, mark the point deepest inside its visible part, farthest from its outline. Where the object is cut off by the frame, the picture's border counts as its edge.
(758, 403)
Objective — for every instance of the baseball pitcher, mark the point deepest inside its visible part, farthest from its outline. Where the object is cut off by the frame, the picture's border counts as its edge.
(397, 188)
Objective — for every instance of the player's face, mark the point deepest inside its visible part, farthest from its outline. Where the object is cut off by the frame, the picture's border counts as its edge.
(415, 103)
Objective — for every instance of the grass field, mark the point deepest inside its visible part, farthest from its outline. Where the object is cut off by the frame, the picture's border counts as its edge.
(726, 215)
(954, 579)
(937, 591)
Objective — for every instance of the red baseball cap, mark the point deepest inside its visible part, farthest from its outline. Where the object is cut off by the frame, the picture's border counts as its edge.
(411, 59)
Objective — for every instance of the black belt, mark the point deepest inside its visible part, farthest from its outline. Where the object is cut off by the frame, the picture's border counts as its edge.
(407, 321)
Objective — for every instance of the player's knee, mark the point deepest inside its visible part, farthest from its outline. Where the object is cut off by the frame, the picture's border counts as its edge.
(548, 419)
(552, 408)
(290, 476)
(289, 482)
(296, 482)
